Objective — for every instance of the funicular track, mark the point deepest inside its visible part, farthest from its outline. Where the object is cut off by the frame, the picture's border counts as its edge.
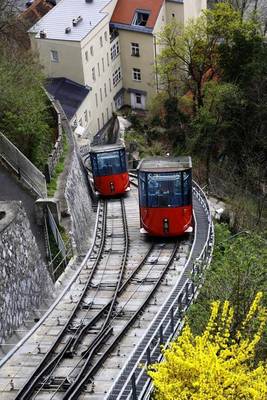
(112, 300)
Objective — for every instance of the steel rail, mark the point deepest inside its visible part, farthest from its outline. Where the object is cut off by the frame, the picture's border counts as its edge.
(71, 345)
(96, 318)
(76, 388)
(29, 386)
(95, 344)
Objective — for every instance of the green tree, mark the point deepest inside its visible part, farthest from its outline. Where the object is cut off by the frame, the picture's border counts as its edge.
(214, 120)
(188, 55)
(25, 117)
(238, 270)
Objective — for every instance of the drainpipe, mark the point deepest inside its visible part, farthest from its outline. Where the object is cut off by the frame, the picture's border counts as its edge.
(156, 64)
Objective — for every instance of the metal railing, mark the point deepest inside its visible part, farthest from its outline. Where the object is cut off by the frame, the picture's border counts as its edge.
(59, 260)
(23, 167)
(57, 150)
(173, 320)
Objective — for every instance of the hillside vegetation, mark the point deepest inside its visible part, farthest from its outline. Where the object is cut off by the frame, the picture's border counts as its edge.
(213, 105)
(25, 115)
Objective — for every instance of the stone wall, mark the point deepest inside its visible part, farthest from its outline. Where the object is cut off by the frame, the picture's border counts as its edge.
(24, 278)
(79, 205)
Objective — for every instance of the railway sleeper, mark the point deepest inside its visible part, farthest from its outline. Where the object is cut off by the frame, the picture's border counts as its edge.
(86, 306)
(114, 251)
(107, 285)
(148, 281)
(54, 383)
(122, 314)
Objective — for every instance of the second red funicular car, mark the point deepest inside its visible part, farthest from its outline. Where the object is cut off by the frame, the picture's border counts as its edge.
(109, 168)
(165, 195)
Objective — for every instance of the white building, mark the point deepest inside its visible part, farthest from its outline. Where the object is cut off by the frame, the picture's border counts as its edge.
(107, 46)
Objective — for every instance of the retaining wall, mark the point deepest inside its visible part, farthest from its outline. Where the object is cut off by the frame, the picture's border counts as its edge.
(79, 206)
(24, 279)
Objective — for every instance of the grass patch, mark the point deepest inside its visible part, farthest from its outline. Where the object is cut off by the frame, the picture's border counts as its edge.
(52, 185)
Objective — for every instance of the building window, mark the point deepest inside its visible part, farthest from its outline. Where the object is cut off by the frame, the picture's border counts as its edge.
(115, 50)
(98, 124)
(107, 113)
(96, 100)
(116, 76)
(136, 74)
(135, 49)
(138, 99)
(93, 74)
(54, 56)
(107, 59)
(110, 88)
(98, 69)
(103, 65)
(119, 102)
(91, 50)
(106, 36)
(86, 55)
(103, 119)
(75, 123)
(101, 97)
(101, 41)
(112, 108)
(140, 18)
(85, 116)
(105, 89)
(81, 122)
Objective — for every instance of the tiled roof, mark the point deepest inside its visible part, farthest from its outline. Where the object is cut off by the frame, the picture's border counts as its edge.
(125, 11)
(69, 93)
(36, 11)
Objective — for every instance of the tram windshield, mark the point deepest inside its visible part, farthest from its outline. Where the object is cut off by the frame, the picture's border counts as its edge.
(165, 189)
(109, 163)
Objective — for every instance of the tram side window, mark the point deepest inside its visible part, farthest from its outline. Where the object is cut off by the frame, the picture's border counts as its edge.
(143, 189)
(187, 188)
(94, 164)
(123, 160)
(152, 190)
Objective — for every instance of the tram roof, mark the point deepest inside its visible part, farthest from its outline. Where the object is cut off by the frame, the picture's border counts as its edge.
(103, 148)
(165, 164)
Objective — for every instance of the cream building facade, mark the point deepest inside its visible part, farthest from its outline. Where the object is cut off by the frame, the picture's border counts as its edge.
(109, 47)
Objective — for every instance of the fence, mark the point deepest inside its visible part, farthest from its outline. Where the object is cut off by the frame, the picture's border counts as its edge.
(59, 260)
(25, 170)
(57, 150)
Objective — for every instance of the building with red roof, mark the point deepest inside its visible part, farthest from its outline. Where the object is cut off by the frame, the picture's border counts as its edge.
(110, 46)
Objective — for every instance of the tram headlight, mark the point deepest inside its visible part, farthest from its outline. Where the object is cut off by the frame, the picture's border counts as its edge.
(165, 225)
(112, 187)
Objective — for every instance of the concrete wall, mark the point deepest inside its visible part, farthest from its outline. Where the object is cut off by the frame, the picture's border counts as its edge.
(24, 278)
(69, 64)
(145, 62)
(175, 11)
(79, 206)
(192, 9)
(103, 91)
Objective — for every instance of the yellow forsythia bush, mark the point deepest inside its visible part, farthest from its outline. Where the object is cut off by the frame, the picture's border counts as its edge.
(214, 366)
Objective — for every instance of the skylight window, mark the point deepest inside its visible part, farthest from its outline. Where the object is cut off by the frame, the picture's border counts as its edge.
(141, 18)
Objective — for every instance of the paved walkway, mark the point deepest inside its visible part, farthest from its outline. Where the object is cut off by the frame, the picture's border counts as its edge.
(11, 189)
